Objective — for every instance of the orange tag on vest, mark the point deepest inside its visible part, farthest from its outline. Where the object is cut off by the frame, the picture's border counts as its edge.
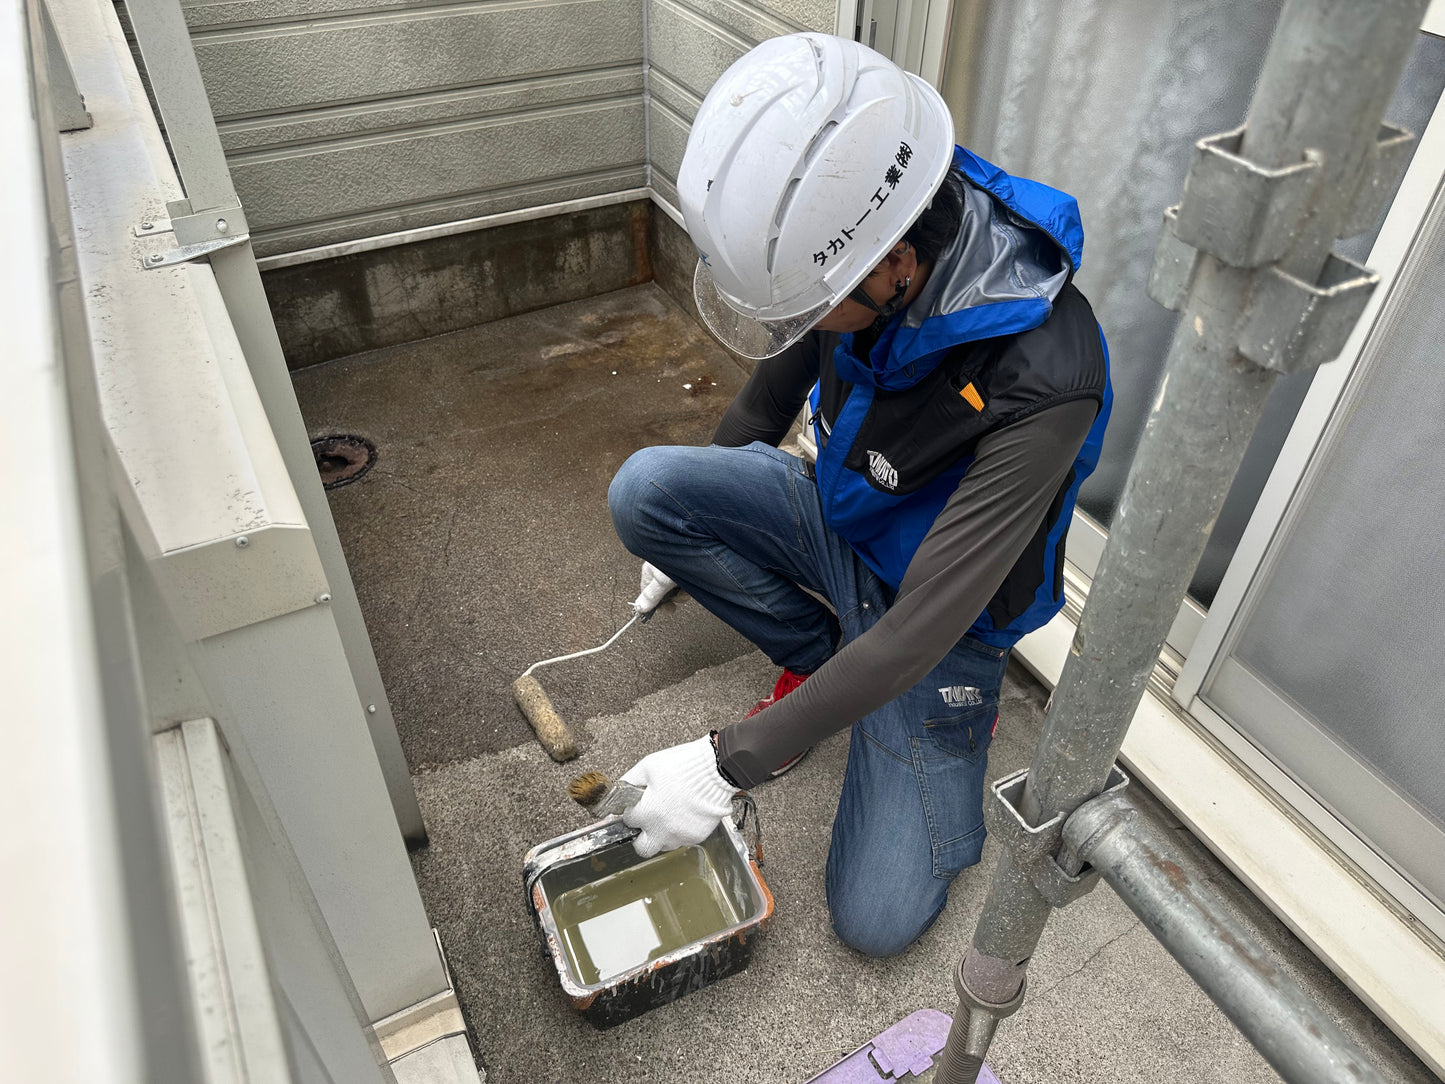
(970, 393)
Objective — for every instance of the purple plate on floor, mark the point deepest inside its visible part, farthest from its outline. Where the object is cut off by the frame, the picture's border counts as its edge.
(904, 1052)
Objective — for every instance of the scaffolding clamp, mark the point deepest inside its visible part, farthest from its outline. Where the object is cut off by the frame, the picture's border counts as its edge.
(1384, 162)
(1290, 325)
(1036, 848)
(1241, 213)
(197, 234)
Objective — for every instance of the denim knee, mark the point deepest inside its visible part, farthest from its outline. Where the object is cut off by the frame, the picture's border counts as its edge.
(879, 931)
(630, 494)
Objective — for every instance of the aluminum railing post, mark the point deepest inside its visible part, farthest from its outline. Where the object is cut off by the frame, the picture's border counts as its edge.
(1247, 257)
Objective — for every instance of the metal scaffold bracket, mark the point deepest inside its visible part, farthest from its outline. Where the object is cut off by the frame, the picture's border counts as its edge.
(197, 234)
(1172, 275)
(1241, 213)
(1036, 847)
(1385, 162)
(1290, 326)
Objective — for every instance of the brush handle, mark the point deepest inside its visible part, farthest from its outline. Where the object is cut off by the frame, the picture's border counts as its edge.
(620, 797)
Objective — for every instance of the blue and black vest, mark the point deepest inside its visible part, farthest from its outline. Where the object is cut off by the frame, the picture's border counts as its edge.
(998, 333)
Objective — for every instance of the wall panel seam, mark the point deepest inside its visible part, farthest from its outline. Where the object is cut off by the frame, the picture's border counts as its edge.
(676, 88)
(617, 174)
(707, 23)
(452, 125)
(674, 114)
(420, 98)
(779, 24)
(402, 100)
(320, 22)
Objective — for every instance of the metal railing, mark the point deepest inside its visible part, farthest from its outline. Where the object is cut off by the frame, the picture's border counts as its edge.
(1246, 258)
(205, 876)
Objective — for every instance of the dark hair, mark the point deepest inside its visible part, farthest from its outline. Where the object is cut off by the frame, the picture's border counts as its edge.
(939, 223)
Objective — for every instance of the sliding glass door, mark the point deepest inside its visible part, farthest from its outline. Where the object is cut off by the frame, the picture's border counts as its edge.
(1322, 659)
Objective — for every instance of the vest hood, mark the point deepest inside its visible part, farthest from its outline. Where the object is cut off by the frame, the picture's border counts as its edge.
(1019, 243)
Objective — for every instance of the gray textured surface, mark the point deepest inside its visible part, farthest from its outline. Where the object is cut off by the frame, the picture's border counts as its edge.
(1107, 1003)
(668, 138)
(440, 107)
(353, 176)
(689, 47)
(305, 63)
(480, 542)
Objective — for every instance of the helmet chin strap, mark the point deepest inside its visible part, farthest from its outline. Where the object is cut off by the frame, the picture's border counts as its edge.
(889, 308)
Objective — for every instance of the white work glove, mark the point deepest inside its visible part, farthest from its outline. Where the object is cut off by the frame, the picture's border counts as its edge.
(655, 587)
(685, 798)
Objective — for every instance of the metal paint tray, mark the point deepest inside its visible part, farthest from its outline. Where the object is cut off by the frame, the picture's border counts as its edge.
(599, 850)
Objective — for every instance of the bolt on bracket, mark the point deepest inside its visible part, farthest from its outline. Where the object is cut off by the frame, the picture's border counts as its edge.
(1035, 848)
(1241, 213)
(1290, 325)
(1387, 158)
(197, 234)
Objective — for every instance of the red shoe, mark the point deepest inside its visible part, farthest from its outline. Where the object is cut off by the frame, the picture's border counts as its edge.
(786, 684)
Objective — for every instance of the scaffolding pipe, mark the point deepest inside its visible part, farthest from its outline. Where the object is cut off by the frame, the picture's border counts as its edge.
(1303, 1045)
(1307, 148)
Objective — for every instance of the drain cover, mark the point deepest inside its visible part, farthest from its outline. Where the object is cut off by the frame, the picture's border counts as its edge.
(343, 459)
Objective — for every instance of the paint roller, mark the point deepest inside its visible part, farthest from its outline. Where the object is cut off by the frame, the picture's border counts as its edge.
(552, 732)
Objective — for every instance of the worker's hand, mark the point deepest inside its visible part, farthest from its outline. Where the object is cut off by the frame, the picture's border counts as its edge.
(685, 798)
(655, 587)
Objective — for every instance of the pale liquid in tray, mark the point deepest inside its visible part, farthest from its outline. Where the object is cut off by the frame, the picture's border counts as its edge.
(642, 912)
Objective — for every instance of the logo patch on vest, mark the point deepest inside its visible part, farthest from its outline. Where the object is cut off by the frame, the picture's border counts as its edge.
(961, 696)
(883, 471)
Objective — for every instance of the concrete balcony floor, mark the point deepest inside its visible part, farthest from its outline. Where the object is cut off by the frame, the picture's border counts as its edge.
(480, 543)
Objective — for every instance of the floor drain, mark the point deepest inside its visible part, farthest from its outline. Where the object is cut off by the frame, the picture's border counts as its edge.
(343, 459)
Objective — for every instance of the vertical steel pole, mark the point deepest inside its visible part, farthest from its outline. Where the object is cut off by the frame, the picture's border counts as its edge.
(1330, 71)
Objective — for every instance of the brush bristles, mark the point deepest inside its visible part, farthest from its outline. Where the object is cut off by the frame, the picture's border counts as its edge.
(587, 788)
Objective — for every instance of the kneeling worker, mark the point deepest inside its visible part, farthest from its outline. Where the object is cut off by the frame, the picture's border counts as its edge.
(922, 301)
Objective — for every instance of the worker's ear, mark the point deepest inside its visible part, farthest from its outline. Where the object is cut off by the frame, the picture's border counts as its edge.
(901, 262)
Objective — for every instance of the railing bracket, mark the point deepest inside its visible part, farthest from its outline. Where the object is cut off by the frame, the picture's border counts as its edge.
(197, 234)
(1290, 325)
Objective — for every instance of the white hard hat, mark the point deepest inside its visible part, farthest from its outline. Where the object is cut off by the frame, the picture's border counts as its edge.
(809, 159)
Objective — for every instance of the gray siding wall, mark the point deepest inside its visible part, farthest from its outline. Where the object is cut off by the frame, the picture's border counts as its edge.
(689, 44)
(343, 122)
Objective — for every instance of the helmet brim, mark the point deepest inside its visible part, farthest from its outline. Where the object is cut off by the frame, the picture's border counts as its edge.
(749, 336)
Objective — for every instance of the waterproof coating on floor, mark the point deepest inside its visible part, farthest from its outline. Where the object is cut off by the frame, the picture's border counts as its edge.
(906, 1051)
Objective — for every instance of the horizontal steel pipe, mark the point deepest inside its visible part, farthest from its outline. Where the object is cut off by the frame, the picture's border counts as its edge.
(1302, 1044)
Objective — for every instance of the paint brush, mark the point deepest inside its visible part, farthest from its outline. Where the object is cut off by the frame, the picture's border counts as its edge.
(598, 794)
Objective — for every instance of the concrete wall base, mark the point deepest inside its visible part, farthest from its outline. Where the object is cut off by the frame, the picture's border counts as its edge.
(674, 257)
(367, 300)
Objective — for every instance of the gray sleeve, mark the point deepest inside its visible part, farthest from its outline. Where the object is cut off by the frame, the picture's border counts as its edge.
(966, 554)
(765, 408)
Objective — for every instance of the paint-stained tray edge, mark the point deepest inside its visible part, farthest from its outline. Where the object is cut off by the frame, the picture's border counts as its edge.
(610, 831)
